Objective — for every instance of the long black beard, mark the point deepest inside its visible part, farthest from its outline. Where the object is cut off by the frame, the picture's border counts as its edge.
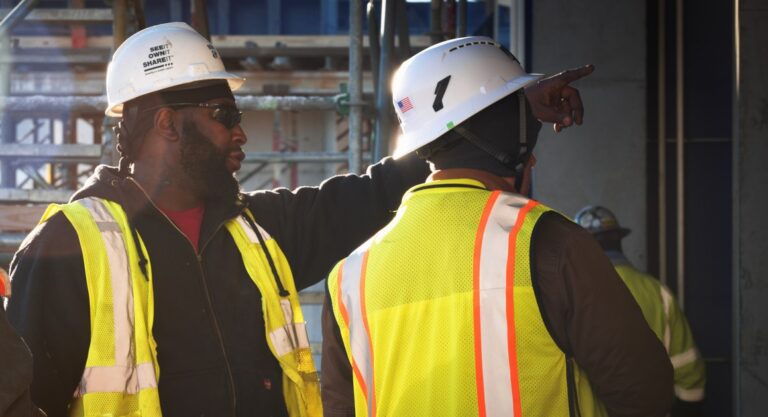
(205, 165)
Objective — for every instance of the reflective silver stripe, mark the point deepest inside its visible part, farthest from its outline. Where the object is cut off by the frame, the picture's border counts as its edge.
(494, 250)
(120, 274)
(666, 300)
(250, 233)
(358, 336)
(689, 394)
(123, 376)
(128, 380)
(682, 359)
(289, 338)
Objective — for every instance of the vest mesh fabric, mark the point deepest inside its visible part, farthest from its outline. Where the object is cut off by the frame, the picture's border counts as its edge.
(120, 378)
(419, 299)
(434, 247)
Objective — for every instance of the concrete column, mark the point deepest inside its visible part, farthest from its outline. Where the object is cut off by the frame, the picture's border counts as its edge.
(603, 161)
(750, 209)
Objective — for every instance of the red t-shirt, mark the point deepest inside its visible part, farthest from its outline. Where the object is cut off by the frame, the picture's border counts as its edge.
(188, 221)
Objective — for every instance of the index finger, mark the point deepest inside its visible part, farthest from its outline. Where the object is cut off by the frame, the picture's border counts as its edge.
(568, 76)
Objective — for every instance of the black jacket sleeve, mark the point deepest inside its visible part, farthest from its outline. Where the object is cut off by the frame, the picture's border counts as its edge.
(49, 308)
(337, 393)
(317, 226)
(592, 314)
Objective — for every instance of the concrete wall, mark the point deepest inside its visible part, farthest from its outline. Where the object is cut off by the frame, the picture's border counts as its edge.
(603, 161)
(750, 181)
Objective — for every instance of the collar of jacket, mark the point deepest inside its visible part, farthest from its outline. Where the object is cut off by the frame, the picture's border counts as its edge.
(106, 184)
(488, 180)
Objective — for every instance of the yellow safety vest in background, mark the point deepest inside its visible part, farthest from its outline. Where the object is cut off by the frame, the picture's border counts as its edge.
(121, 371)
(439, 317)
(665, 318)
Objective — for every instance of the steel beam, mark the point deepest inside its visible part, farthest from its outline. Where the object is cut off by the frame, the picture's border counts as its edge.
(52, 153)
(10, 242)
(92, 154)
(311, 157)
(66, 16)
(97, 104)
(12, 17)
(15, 195)
(48, 56)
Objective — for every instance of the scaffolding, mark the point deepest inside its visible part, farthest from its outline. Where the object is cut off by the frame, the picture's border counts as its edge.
(44, 112)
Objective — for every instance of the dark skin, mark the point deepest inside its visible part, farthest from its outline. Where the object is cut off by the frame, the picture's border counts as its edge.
(158, 169)
(553, 100)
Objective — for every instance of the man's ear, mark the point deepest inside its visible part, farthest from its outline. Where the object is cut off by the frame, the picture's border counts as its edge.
(165, 123)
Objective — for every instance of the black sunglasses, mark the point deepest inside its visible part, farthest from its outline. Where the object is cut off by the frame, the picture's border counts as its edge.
(226, 114)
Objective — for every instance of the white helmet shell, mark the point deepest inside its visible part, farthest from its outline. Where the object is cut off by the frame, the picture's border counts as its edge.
(160, 57)
(447, 83)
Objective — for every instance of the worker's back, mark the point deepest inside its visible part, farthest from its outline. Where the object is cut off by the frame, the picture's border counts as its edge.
(443, 331)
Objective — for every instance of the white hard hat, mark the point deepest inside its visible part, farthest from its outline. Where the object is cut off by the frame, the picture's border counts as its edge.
(447, 83)
(160, 57)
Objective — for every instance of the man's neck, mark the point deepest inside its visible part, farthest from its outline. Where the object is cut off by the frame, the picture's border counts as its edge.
(490, 181)
(166, 191)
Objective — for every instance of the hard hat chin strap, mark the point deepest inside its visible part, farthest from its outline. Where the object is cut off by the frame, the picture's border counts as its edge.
(516, 162)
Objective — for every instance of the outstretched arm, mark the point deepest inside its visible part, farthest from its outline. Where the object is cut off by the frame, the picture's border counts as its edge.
(317, 226)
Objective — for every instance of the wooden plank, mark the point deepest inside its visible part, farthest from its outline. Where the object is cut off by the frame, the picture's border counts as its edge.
(20, 218)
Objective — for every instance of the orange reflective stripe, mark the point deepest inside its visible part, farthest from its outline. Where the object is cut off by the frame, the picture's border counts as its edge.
(514, 375)
(342, 307)
(497, 378)
(352, 305)
(372, 399)
(345, 317)
(476, 304)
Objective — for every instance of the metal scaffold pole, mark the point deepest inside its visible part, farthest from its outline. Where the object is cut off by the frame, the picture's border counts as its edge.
(384, 97)
(16, 15)
(355, 85)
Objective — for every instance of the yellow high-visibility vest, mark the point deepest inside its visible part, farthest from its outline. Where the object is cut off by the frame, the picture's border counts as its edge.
(439, 317)
(665, 318)
(121, 370)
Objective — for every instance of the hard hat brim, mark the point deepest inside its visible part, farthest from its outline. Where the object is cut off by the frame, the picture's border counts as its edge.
(234, 81)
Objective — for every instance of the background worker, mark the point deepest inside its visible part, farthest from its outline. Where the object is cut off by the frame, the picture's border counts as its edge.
(659, 307)
(161, 288)
(474, 300)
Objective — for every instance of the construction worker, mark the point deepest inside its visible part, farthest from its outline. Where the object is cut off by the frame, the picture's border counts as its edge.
(659, 307)
(475, 300)
(161, 288)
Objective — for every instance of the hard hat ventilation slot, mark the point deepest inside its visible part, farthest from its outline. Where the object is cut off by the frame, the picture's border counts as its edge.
(473, 43)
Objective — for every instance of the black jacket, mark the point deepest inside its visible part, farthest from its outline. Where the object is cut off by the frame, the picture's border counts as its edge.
(15, 372)
(211, 347)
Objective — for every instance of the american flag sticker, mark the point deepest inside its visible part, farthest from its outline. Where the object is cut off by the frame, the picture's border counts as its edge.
(405, 104)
